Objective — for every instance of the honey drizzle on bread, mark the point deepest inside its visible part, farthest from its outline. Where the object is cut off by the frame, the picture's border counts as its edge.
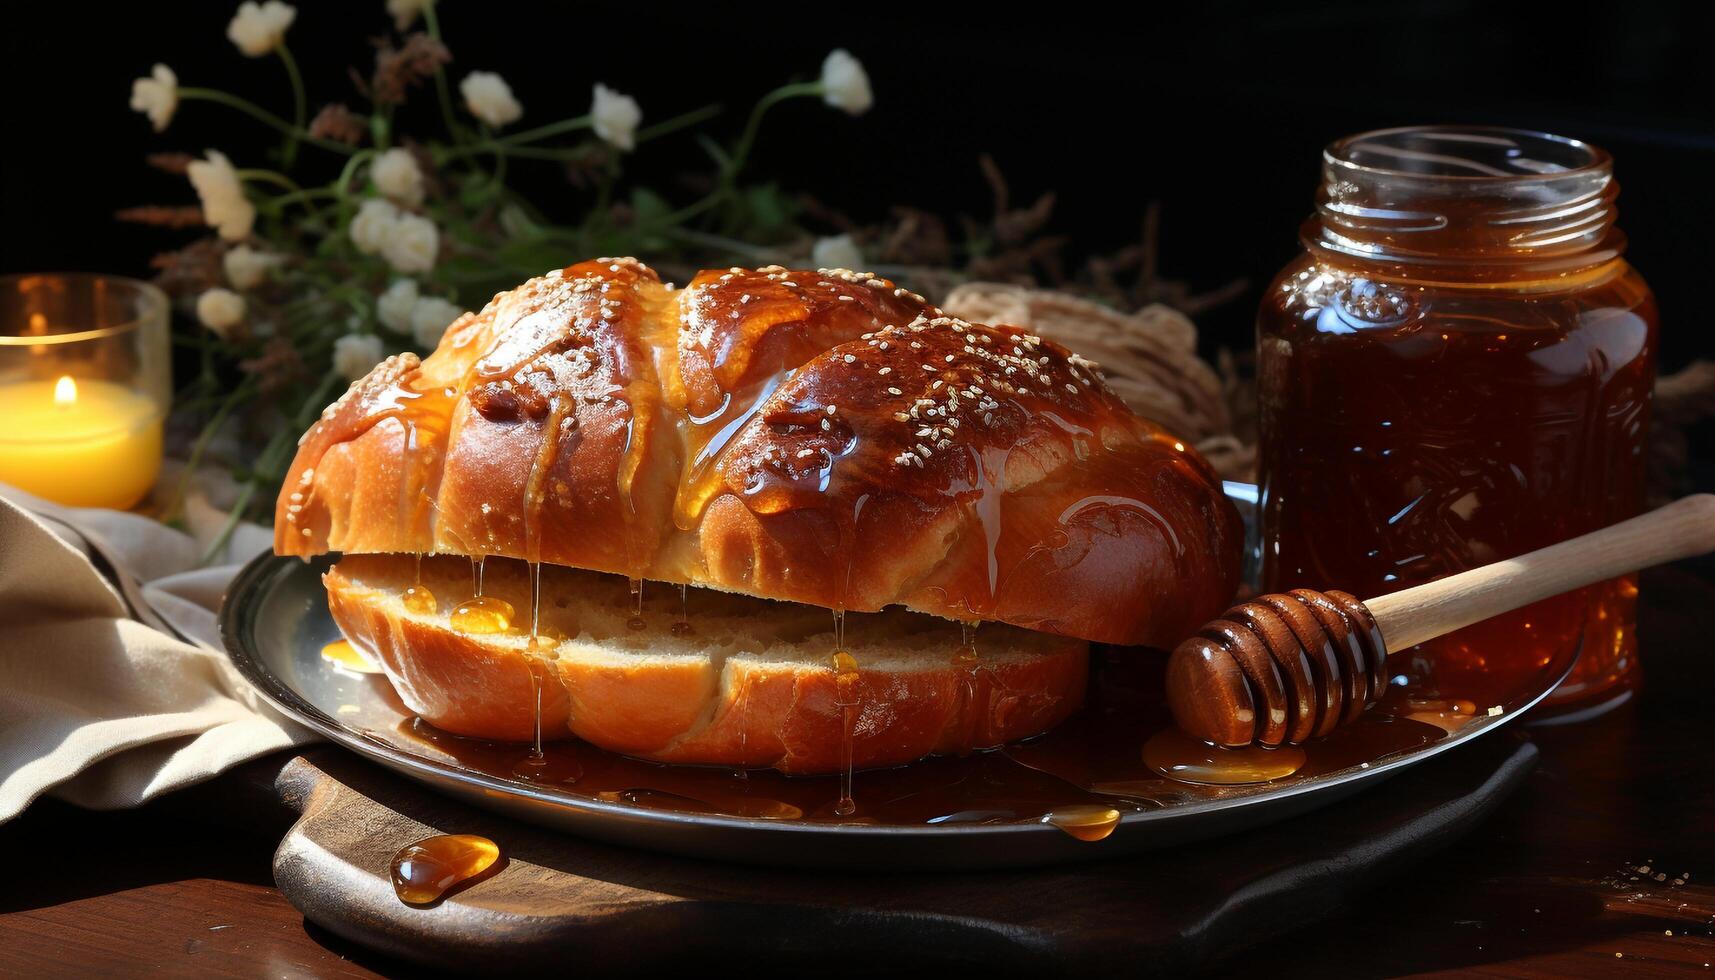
(817, 436)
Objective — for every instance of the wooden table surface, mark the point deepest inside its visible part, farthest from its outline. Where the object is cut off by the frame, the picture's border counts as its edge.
(1552, 885)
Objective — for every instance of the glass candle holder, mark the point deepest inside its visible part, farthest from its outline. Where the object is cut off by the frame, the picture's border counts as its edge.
(85, 385)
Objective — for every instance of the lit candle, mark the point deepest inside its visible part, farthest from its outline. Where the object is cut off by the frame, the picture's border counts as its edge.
(84, 443)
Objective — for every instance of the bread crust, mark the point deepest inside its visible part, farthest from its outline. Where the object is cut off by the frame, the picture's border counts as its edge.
(703, 710)
(817, 436)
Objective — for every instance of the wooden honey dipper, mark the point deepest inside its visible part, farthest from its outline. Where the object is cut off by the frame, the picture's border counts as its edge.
(1284, 668)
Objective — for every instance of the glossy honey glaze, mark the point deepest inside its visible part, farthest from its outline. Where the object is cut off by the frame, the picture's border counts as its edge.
(1119, 755)
(596, 418)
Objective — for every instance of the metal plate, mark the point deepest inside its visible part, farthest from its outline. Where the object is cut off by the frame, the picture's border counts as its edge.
(275, 622)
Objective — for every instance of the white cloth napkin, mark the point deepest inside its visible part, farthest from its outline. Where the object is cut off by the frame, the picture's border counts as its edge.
(96, 707)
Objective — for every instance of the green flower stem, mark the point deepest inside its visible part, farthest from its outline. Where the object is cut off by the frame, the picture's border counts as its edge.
(742, 151)
(289, 153)
(273, 456)
(513, 144)
(730, 165)
(342, 184)
(270, 177)
(263, 116)
(543, 132)
(690, 211)
(497, 180)
(238, 394)
(432, 22)
(679, 122)
(303, 196)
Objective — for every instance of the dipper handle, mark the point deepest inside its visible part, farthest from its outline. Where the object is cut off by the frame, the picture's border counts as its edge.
(1681, 529)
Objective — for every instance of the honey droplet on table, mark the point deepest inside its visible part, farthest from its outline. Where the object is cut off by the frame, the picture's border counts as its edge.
(1177, 755)
(483, 614)
(341, 653)
(418, 599)
(424, 871)
(1085, 821)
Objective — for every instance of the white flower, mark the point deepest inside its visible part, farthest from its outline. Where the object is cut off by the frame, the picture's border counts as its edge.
(845, 85)
(430, 318)
(157, 96)
(224, 205)
(393, 307)
(616, 117)
(414, 244)
(397, 176)
(373, 226)
(220, 310)
(489, 98)
(246, 268)
(836, 252)
(259, 28)
(405, 11)
(355, 353)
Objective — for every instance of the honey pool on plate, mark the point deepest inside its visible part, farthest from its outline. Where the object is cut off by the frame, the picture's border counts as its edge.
(1118, 755)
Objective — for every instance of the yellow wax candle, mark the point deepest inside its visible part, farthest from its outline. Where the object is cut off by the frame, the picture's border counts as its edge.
(82, 443)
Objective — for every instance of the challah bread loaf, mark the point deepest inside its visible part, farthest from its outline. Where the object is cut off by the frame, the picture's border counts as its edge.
(749, 683)
(815, 436)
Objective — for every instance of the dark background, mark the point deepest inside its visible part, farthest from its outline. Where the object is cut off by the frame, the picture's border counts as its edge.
(1218, 110)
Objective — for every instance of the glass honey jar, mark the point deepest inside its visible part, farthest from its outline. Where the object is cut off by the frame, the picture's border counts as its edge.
(1458, 369)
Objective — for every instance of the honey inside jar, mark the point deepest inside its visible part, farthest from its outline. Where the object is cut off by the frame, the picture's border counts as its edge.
(1456, 371)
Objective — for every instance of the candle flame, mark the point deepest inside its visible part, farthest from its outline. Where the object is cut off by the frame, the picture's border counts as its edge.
(65, 390)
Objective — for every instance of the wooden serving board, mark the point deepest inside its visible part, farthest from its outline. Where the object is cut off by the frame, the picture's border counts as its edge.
(567, 904)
